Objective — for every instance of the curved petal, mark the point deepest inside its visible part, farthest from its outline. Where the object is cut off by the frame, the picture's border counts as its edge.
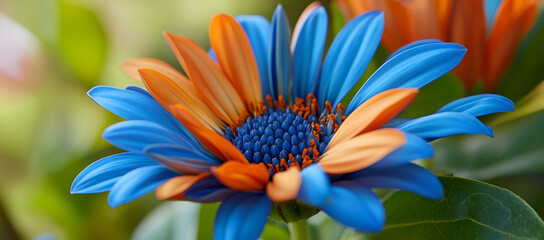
(234, 54)
(175, 188)
(240, 176)
(445, 124)
(308, 45)
(315, 187)
(168, 91)
(258, 32)
(101, 175)
(373, 114)
(409, 177)
(208, 190)
(349, 55)
(220, 95)
(135, 135)
(132, 105)
(479, 105)
(241, 216)
(413, 68)
(138, 90)
(412, 45)
(280, 54)
(131, 67)
(137, 183)
(415, 148)
(361, 151)
(181, 158)
(214, 142)
(355, 206)
(284, 185)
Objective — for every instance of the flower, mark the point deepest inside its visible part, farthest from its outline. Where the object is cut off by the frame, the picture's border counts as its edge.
(491, 33)
(254, 127)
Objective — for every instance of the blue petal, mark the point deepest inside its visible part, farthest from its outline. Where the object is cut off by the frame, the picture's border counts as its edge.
(280, 54)
(211, 53)
(242, 216)
(133, 105)
(138, 183)
(139, 90)
(490, 9)
(135, 135)
(102, 174)
(258, 31)
(412, 45)
(315, 187)
(415, 148)
(349, 56)
(181, 158)
(208, 190)
(408, 177)
(479, 105)
(445, 124)
(309, 52)
(413, 68)
(355, 206)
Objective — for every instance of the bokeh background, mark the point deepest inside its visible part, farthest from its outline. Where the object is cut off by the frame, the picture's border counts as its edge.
(50, 129)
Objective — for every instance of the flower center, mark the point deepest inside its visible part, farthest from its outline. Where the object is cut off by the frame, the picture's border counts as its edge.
(283, 136)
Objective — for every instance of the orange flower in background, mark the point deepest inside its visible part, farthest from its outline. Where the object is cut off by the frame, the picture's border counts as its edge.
(491, 47)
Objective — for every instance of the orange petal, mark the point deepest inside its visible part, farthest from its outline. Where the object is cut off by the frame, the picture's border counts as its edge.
(513, 20)
(243, 177)
(425, 21)
(214, 142)
(131, 67)
(174, 188)
(398, 23)
(169, 92)
(209, 80)
(374, 113)
(361, 151)
(234, 53)
(468, 27)
(443, 10)
(285, 185)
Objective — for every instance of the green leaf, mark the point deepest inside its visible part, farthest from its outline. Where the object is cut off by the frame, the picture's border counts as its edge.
(275, 230)
(206, 219)
(171, 220)
(516, 149)
(469, 210)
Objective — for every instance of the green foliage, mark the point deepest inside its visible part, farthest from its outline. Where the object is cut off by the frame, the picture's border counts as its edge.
(469, 210)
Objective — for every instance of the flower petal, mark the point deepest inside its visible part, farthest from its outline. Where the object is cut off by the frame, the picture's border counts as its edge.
(349, 55)
(234, 53)
(315, 187)
(479, 105)
(308, 45)
(101, 175)
(409, 177)
(220, 95)
(415, 148)
(181, 158)
(412, 45)
(258, 32)
(135, 135)
(175, 188)
(361, 151)
(131, 67)
(208, 190)
(280, 54)
(214, 142)
(284, 185)
(241, 216)
(445, 124)
(413, 68)
(138, 183)
(132, 105)
(240, 176)
(373, 114)
(168, 91)
(355, 206)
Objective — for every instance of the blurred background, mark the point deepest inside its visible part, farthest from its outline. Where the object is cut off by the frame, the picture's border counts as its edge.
(53, 51)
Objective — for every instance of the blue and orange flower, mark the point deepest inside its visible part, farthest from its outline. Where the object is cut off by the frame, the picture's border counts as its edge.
(259, 126)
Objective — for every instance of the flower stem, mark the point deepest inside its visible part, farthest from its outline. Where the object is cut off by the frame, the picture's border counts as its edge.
(299, 230)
